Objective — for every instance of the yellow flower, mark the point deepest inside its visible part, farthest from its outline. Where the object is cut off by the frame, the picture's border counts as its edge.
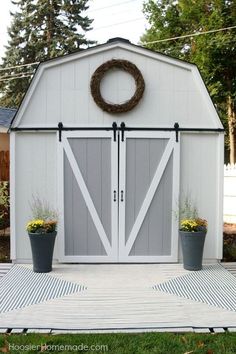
(41, 226)
(193, 225)
(34, 225)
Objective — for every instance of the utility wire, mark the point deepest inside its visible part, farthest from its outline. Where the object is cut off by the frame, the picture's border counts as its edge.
(189, 35)
(107, 7)
(143, 43)
(16, 77)
(98, 9)
(20, 66)
(118, 23)
(93, 29)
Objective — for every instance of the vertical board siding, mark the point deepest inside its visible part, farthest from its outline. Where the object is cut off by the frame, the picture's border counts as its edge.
(159, 217)
(167, 185)
(93, 156)
(36, 110)
(68, 94)
(198, 172)
(35, 175)
(106, 186)
(68, 207)
(54, 94)
(171, 94)
(124, 86)
(143, 157)
(142, 183)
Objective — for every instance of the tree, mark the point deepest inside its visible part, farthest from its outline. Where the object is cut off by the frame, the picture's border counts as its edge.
(40, 30)
(214, 53)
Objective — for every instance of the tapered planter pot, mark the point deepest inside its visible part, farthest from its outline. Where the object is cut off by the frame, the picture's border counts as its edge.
(192, 247)
(42, 246)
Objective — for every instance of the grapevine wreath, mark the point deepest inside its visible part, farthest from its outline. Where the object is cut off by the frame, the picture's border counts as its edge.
(98, 76)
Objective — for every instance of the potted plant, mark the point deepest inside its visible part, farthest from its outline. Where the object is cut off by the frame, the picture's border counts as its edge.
(192, 233)
(42, 231)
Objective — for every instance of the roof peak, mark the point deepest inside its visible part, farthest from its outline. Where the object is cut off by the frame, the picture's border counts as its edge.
(118, 39)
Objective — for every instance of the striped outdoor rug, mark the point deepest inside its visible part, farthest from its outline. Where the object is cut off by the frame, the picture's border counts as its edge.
(22, 287)
(212, 285)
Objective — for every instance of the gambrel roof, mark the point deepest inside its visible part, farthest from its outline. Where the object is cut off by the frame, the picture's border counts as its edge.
(46, 80)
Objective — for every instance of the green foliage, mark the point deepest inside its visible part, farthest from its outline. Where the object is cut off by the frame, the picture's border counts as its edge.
(4, 205)
(187, 209)
(40, 30)
(214, 53)
(41, 210)
(124, 343)
(229, 249)
(187, 214)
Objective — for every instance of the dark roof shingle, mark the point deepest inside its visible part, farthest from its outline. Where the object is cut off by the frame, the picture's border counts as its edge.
(6, 115)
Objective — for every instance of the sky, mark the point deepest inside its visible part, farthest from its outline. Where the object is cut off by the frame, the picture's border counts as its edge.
(112, 18)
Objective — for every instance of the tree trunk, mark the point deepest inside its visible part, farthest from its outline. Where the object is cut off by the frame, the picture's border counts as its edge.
(232, 129)
(49, 22)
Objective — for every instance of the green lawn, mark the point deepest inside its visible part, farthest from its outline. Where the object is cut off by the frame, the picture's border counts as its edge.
(144, 343)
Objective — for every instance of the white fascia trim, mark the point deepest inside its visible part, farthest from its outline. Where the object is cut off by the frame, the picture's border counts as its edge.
(13, 195)
(126, 46)
(220, 197)
(157, 56)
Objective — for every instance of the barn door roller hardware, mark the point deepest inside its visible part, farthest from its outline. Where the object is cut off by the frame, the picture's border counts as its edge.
(176, 126)
(60, 127)
(122, 128)
(115, 128)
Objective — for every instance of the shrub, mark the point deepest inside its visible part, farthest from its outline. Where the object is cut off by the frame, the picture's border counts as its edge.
(4, 205)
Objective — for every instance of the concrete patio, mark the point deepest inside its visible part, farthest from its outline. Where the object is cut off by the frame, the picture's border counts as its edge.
(117, 298)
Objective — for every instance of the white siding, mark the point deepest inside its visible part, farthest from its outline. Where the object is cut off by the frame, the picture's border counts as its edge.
(200, 178)
(173, 94)
(36, 174)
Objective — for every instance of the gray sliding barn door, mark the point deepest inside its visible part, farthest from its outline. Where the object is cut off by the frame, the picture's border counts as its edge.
(89, 187)
(130, 222)
(149, 178)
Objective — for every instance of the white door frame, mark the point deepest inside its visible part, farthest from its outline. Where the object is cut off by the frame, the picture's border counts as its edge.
(118, 250)
(172, 146)
(64, 147)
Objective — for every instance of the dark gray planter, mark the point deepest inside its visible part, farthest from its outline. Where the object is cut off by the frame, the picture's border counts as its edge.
(192, 248)
(42, 246)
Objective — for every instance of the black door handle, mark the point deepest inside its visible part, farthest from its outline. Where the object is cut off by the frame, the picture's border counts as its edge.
(122, 196)
(114, 194)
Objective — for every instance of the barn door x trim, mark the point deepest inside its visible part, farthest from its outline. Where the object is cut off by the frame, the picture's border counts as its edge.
(119, 244)
(126, 242)
(64, 149)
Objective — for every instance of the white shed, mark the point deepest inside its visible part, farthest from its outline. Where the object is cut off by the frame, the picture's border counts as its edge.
(111, 136)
